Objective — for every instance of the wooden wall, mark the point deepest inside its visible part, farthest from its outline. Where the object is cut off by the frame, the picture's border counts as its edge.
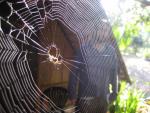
(48, 74)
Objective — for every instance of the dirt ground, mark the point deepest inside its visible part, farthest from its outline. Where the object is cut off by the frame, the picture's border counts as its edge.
(139, 71)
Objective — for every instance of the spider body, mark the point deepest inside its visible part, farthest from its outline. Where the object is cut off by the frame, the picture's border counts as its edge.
(54, 55)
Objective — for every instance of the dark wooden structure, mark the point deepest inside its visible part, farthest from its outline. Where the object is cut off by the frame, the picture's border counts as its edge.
(24, 30)
(48, 75)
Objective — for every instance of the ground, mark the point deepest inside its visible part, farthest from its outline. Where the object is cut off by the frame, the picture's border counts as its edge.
(139, 71)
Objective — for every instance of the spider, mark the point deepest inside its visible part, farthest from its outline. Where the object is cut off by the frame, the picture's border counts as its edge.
(54, 55)
(56, 59)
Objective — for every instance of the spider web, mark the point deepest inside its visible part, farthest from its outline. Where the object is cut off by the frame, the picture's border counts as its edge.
(19, 37)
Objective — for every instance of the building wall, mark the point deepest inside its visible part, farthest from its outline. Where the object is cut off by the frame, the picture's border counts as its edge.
(48, 74)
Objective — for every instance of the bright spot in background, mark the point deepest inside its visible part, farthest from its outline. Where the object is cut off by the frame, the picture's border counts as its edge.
(116, 9)
(111, 6)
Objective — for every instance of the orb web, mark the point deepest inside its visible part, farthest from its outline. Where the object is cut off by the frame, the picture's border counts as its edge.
(21, 35)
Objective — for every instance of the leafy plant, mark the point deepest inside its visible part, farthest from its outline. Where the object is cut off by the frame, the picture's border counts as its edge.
(125, 35)
(127, 101)
(130, 22)
(147, 56)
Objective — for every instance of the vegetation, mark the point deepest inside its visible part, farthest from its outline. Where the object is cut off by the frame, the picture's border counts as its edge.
(128, 99)
(131, 26)
(147, 56)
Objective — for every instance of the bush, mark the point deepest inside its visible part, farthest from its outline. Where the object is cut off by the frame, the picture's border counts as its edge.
(127, 100)
(147, 56)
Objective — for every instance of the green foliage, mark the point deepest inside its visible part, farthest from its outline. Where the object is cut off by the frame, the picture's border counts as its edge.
(124, 39)
(131, 22)
(128, 99)
(147, 56)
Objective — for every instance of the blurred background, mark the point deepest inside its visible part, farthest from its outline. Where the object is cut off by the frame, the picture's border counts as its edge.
(130, 22)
